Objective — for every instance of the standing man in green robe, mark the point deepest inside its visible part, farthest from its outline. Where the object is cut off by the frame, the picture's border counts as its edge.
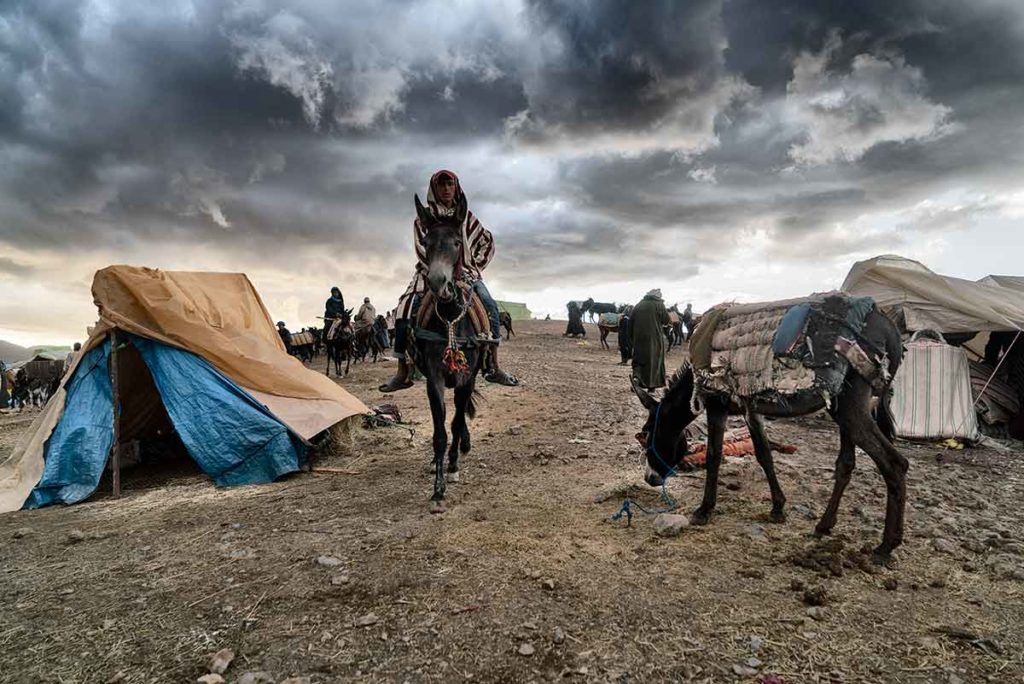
(649, 340)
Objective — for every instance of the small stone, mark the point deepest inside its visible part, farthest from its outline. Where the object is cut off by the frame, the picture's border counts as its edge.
(975, 545)
(21, 533)
(255, 678)
(756, 533)
(526, 649)
(221, 660)
(109, 624)
(367, 620)
(796, 585)
(817, 596)
(754, 663)
(754, 643)
(118, 677)
(890, 584)
(670, 524)
(937, 583)
(66, 591)
(743, 670)
(751, 573)
(559, 636)
(75, 536)
(329, 561)
(944, 545)
(210, 679)
(548, 584)
(301, 680)
(931, 643)
(515, 430)
(816, 613)
(339, 580)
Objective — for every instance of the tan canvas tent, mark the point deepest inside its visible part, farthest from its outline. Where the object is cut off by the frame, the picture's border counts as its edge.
(917, 298)
(186, 329)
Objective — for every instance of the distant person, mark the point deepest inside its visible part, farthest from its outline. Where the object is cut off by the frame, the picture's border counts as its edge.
(647, 330)
(367, 313)
(69, 360)
(625, 337)
(286, 336)
(334, 312)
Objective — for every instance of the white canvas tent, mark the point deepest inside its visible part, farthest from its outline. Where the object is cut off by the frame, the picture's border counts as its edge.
(916, 299)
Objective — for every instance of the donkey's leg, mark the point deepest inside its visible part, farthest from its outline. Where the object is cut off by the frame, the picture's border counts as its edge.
(763, 452)
(892, 465)
(845, 463)
(435, 393)
(459, 430)
(717, 414)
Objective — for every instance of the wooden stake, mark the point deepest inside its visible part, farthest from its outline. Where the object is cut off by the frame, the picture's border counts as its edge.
(115, 393)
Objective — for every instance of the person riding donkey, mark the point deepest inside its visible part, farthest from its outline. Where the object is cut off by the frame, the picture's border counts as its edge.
(443, 196)
(334, 312)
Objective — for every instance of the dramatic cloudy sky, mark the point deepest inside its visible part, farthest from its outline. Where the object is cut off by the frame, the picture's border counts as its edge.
(719, 149)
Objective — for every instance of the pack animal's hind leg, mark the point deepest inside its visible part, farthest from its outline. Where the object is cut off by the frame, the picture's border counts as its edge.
(892, 465)
(435, 393)
(763, 452)
(717, 414)
(846, 461)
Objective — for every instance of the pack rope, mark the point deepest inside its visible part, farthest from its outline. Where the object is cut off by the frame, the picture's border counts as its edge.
(670, 504)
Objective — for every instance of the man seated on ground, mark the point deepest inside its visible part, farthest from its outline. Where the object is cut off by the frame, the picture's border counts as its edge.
(443, 195)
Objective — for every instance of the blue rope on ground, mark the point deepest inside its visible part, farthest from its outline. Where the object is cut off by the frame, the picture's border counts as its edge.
(670, 503)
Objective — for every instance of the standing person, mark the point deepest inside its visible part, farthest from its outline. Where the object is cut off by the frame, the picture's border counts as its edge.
(72, 355)
(647, 323)
(625, 336)
(286, 336)
(443, 195)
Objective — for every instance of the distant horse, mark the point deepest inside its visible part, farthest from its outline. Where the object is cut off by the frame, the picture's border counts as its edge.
(341, 345)
(664, 437)
(442, 364)
(505, 318)
(591, 308)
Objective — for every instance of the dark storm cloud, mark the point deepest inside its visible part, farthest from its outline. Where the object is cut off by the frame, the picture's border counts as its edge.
(294, 134)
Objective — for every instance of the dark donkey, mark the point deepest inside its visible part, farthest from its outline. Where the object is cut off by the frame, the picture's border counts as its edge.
(590, 307)
(437, 353)
(665, 440)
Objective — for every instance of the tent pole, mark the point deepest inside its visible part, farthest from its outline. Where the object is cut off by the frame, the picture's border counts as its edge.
(115, 393)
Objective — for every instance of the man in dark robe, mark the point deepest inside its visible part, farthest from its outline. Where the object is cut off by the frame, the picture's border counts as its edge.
(625, 337)
(286, 336)
(334, 311)
(647, 330)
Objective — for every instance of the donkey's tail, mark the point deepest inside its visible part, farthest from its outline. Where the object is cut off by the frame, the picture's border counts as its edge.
(884, 416)
(471, 404)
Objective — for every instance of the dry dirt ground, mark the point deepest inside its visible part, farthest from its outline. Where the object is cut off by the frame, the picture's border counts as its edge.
(525, 578)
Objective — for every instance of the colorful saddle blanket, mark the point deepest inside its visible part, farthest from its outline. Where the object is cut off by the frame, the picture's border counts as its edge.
(608, 320)
(475, 311)
(784, 347)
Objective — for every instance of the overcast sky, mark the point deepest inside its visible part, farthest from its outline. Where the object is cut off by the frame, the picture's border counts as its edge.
(717, 149)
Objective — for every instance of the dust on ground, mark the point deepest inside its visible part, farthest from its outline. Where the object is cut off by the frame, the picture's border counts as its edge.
(347, 577)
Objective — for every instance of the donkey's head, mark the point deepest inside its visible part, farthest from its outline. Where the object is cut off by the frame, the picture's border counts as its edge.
(664, 436)
(443, 244)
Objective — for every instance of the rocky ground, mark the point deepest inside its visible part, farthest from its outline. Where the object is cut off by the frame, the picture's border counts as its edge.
(346, 576)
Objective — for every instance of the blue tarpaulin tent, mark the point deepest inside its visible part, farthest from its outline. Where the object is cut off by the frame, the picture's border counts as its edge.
(233, 438)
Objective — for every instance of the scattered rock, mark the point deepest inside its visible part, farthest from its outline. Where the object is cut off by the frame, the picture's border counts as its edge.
(754, 643)
(221, 660)
(890, 584)
(329, 561)
(526, 649)
(733, 486)
(118, 677)
(559, 636)
(211, 679)
(297, 680)
(21, 532)
(751, 573)
(548, 584)
(367, 620)
(756, 533)
(744, 671)
(944, 545)
(66, 591)
(796, 585)
(339, 580)
(937, 583)
(755, 663)
(816, 613)
(670, 524)
(975, 545)
(515, 430)
(255, 678)
(75, 536)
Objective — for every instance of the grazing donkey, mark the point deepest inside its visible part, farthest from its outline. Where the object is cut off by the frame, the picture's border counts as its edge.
(664, 438)
(447, 351)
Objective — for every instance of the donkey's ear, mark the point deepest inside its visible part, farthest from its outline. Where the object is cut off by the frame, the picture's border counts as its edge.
(645, 397)
(461, 209)
(422, 212)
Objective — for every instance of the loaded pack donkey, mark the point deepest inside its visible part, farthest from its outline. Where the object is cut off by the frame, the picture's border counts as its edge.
(785, 359)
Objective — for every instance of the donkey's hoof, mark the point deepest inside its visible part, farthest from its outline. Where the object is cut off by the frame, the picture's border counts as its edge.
(777, 517)
(881, 556)
(699, 517)
(437, 507)
(822, 531)
(453, 477)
